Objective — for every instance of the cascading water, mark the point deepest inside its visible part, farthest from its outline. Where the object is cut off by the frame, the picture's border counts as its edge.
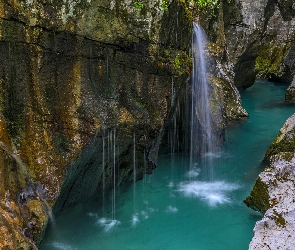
(178, 207)
(201, 132)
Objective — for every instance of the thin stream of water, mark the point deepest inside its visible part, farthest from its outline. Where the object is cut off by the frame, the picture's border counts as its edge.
(202, 132)
(176, 207)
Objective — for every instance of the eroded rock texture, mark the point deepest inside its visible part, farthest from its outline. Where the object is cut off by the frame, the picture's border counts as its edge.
(81, 76)
(78, 77)
(273, 194)
(253, 39)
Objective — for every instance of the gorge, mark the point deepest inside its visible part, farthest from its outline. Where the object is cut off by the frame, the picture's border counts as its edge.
(82, 80)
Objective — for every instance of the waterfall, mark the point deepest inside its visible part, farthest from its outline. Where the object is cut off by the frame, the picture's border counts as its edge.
(114, 175)
(103, 171)
(134, 171)
(201, 132)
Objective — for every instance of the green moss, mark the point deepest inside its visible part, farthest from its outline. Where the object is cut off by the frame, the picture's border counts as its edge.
(164, 5)
(269, 60)
(279, 219)
(187, 13)
(209, 6)
(286, 145)
(259, 198)
(178, 61)
(138, 6)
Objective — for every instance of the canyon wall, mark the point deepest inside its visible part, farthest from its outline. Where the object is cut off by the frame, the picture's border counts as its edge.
(79, 77)
(87, 86)
(273, 194)
(256, 39)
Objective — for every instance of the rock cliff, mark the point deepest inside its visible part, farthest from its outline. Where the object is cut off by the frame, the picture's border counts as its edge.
(253, 39)
(79, 77)
(273, 194)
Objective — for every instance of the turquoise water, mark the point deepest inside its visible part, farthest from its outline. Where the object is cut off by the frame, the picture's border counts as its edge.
(176, 208)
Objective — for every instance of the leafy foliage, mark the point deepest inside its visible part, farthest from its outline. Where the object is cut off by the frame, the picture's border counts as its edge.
(139, 6)
(164, 5)
(212, 5)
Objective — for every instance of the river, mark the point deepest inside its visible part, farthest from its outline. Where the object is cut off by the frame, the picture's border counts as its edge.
(176, 208)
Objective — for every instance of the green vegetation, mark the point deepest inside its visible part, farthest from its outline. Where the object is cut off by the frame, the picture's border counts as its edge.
(259, 198)
(139, 6)
(269, 60)
(279, 219)
(164, 5)
(208, 5)
(286, 145)
(176, 62)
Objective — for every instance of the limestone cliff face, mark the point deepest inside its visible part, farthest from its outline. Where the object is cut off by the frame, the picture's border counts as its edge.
(253, 39)
(79, 78)
(273, 194)
(82, 77)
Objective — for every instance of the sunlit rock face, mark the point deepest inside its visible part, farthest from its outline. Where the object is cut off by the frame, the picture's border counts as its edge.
(277, 227)
(273, 194)
(80, 82)
(285, 141)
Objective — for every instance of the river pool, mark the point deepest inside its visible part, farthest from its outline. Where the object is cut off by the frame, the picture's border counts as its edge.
(176, 208)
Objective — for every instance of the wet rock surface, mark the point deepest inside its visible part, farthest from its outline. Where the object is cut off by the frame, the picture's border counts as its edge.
(78, 77)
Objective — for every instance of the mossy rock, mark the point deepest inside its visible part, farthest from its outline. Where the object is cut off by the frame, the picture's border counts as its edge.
(285, 145)
(259, 197)
(269, 61)
(279, 219)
